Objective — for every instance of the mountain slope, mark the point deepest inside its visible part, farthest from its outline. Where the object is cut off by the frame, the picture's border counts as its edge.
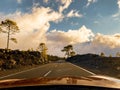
(97, 64)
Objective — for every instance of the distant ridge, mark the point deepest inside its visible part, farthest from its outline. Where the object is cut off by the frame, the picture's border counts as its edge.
(98, 64)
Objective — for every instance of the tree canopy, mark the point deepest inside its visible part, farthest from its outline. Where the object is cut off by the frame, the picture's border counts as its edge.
(9, 27)
(68, 51)
(43, 50)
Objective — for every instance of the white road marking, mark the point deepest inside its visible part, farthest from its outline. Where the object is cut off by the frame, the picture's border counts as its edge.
(47, 73)
(19, 72)
(83, 69)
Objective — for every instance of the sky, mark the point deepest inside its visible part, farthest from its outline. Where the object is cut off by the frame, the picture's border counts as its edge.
(91, 26)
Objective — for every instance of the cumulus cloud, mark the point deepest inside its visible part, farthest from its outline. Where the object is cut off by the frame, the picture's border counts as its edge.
(81, 35)
(38, 21)
(112, 41)
(109, 44)
(74, 13)
(33, 26)
(38, 18)
(118, 3)
(95, 48)
(90, 2)
(57, 39)
(84, 41)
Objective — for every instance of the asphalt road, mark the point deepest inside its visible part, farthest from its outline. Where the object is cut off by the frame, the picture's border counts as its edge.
(51, 70)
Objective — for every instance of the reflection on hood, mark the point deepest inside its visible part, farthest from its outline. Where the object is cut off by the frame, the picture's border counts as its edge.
(100, 81)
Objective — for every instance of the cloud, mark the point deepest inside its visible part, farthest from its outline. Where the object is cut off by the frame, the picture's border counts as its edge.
(90, 2)
(96, 22)
(45, 1)
(118, 2)
(38, 18)
(111, 41)
(116, 16)
(19, 1)
(109, 44)
(95, 48)
(74, 23)
(34, 29)
(81, 35)
(84, 41)
(65, 4)
(74, 13)
(33, 26)
(57, 39)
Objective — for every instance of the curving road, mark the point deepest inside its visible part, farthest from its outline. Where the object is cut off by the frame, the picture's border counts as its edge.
(51, 70)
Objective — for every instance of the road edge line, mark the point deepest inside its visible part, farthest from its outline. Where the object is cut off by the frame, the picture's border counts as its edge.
(83, 69)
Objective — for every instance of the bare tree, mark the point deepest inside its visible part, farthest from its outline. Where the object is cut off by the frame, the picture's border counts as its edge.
(9, 27)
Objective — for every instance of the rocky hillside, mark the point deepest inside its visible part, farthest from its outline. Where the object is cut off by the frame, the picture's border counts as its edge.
(97, 64)
(15, 59)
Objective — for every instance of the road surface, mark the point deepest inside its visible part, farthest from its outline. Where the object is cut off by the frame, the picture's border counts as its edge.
(51, 70)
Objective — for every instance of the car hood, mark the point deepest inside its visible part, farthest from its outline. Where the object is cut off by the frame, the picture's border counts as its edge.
(99, 81)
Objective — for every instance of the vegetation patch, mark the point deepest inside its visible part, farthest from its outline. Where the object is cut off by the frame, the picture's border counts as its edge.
(12, 60)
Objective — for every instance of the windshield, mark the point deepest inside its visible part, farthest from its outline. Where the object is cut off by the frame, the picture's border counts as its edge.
(57, 38)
